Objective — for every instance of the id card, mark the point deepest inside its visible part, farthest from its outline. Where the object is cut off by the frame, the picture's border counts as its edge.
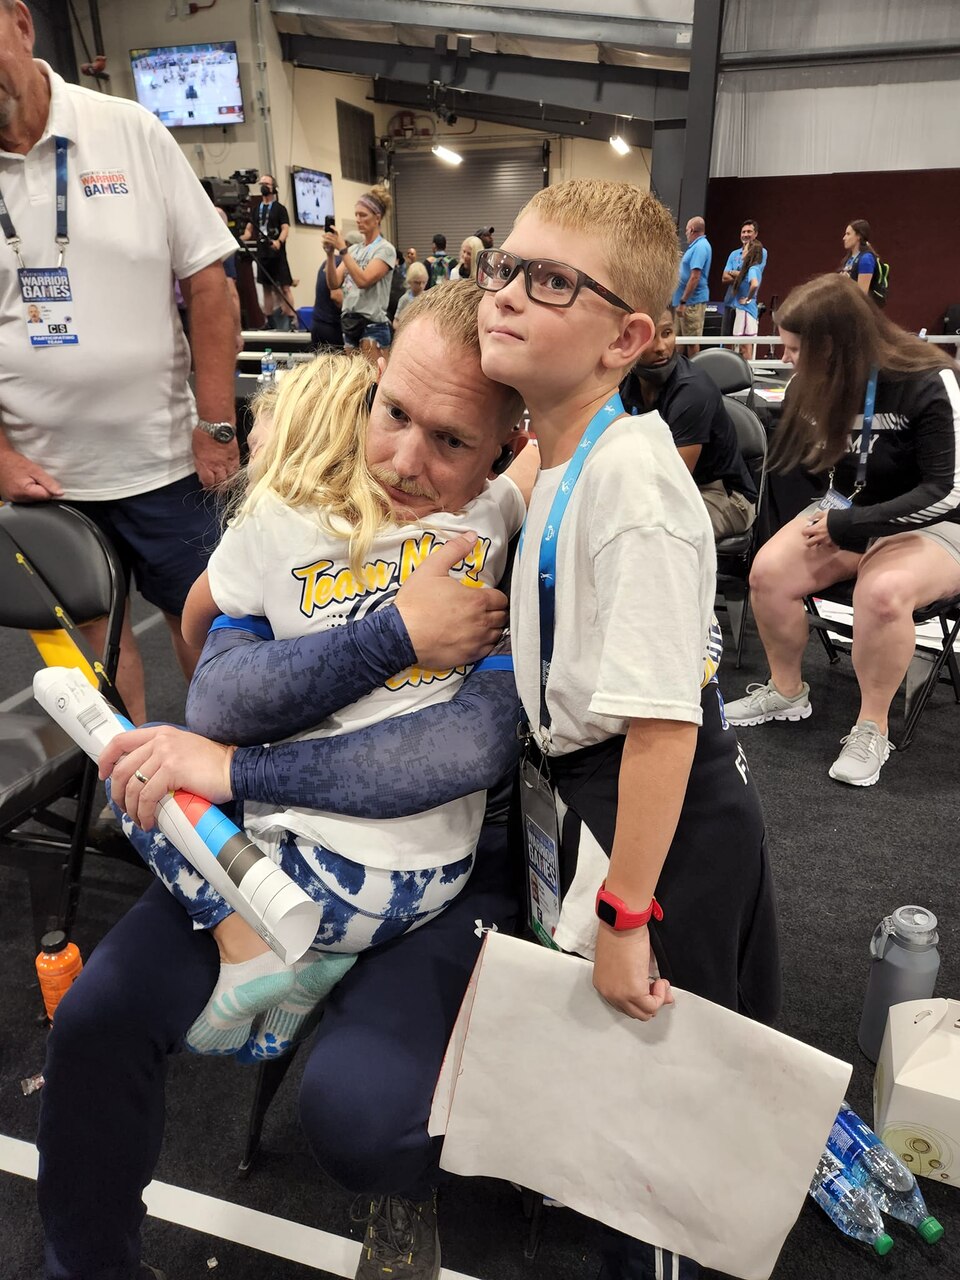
(48, 306)
(541, 840)
(832, 500)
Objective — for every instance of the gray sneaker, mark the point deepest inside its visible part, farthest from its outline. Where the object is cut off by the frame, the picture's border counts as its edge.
(765, 702)
(401, 1240)
(865, 752)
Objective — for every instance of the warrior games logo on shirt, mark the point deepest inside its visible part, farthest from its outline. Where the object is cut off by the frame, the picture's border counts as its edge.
(104, 182)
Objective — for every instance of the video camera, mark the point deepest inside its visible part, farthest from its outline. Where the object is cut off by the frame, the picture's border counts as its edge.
(231, 195)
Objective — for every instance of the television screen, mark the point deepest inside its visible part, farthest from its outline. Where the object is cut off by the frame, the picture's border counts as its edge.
(190, 84)
(312, 196)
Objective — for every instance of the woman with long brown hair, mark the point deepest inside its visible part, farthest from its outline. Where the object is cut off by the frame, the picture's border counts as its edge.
(877, 412)
(859, 260)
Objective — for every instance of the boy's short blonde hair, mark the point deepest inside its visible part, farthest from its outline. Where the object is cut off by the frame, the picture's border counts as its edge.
(417, 271)
(641, 246)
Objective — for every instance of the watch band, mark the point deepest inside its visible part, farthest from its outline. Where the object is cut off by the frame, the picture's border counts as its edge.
(222, 432)
(613, 911)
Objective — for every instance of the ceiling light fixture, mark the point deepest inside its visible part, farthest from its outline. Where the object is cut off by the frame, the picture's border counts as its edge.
(620, 147)
(444, 153)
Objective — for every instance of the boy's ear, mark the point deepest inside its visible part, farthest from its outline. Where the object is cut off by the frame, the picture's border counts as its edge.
(637, 332)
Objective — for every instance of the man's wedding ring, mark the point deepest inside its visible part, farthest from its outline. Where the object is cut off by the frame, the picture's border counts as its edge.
(140, 777)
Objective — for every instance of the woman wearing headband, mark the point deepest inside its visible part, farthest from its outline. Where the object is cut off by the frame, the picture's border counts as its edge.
(364, 276)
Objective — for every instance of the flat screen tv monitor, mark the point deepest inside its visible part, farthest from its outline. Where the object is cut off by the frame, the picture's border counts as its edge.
(190, 84)
(312, 196)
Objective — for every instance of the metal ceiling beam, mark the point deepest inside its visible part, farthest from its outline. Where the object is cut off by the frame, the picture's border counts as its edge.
(608, 90)
(767, 59)
(560, 24)
(548, 118)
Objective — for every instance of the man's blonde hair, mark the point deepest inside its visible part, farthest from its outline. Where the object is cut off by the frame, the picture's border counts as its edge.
(452, 309)
(314, 458)
(640, 243)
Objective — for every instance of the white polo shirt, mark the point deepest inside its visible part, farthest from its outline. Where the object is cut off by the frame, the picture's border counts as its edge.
(111, 416)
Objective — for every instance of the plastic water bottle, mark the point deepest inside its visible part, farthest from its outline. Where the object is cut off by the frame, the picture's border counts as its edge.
(881, 1172)
(904, 967)
(848, 1206)
(268, 368)
(58, 965)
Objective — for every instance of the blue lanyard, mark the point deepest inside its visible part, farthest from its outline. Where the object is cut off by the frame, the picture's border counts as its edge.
(6, 222)
(547, 575)
(866, 431)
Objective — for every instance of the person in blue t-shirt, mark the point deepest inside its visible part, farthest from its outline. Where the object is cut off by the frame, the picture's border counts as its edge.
(746, 286)
(693, 290)
(749, 231)
(859, 260)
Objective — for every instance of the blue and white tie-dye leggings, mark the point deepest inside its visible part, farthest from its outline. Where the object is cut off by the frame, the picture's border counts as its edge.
(362, 906)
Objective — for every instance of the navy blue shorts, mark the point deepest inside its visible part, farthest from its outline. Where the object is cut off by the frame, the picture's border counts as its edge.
(164, 537)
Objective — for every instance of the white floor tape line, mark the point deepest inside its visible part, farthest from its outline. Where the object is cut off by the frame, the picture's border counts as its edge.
(277, 1236)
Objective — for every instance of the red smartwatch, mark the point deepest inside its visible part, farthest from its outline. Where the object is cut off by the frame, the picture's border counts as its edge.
(615, 912)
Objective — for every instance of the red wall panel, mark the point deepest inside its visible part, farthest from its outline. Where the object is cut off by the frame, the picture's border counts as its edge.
(912, 217)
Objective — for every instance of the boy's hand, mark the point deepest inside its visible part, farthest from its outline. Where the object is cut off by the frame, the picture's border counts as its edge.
(621, 973)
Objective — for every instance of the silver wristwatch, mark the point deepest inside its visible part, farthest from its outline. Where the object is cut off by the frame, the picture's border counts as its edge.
(222, 432)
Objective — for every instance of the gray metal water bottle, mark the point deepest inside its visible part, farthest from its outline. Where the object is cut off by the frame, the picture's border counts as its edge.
(904, 966)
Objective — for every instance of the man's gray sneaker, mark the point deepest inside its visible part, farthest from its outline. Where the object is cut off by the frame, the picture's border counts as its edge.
(401, 1240)
(865, 752)
(765, 702)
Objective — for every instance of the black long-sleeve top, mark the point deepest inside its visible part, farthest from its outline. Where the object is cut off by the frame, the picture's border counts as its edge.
(913, 471)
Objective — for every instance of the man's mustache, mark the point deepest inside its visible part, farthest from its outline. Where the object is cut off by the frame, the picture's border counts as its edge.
(409, 487)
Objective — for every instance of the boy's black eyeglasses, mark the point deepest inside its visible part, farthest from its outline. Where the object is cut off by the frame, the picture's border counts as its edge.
(556, 284)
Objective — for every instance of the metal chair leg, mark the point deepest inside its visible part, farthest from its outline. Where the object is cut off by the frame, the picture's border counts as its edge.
(818, 624)
(923, 676)
(532, 1202)
(270, 1076)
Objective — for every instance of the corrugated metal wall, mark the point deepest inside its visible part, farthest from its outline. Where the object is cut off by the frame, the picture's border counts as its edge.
(488, 188)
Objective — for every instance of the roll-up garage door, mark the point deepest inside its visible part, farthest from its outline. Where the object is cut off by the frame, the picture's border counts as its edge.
(489, 188)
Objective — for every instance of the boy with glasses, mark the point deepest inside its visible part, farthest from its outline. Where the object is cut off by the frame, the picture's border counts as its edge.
(614, 639)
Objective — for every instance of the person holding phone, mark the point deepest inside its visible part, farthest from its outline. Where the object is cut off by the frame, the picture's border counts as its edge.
(364, 276)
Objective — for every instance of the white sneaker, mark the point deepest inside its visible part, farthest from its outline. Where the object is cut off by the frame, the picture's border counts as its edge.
(865, 752)
(765, 702)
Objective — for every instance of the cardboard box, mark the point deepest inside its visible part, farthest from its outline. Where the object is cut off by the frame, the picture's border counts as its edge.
(916, 1089)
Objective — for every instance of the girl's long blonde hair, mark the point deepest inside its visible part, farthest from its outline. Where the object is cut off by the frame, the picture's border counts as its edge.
(314, 458)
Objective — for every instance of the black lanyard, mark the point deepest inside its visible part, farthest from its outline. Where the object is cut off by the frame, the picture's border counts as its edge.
(869, 401)
(62, 239)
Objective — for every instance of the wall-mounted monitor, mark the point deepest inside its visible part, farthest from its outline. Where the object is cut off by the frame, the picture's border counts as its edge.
(190, 84)
(312, 196)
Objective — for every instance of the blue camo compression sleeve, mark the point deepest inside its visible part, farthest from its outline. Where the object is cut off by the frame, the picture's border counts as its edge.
(250, 688)
(398, 766)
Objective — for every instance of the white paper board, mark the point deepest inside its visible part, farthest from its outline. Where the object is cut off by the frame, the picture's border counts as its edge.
(698, 1131)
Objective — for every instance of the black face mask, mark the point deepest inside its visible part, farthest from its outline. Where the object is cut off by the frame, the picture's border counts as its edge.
(265, 189)
(657, 375)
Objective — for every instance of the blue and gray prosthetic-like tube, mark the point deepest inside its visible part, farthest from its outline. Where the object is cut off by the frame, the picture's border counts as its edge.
(257, 889)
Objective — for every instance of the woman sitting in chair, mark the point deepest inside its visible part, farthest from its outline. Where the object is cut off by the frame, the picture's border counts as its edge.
(878, 411)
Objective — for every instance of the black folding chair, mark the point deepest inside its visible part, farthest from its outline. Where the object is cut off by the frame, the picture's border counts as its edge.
(927, 667)
(735, 554)
(57, 571)
(728, 369)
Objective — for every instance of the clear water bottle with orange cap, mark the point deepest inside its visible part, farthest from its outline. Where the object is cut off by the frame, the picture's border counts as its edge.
(58, 966)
